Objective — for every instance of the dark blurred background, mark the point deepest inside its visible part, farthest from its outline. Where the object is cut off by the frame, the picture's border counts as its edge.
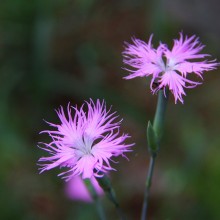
(57, 51)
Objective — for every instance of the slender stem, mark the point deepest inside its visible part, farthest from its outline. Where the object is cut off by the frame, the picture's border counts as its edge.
(117, 206)
(147, 187)
(105, 184)
(158, 125)
(120, 212)
(96, 199)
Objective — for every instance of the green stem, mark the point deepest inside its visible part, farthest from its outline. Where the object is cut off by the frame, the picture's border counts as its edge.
(158, 126)
(96, 199)
(147, 187)
(105, 184)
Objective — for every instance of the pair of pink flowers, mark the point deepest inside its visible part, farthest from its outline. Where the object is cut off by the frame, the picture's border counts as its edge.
(84, 143)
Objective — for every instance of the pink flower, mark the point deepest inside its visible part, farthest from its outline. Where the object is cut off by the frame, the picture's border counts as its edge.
(84, 143)
(168, 67)
(76, 189)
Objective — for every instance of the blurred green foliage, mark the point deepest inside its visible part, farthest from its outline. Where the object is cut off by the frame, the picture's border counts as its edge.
(60, 51)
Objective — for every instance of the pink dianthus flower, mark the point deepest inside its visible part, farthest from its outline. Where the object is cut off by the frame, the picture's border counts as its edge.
(168, 68)
(84, 143)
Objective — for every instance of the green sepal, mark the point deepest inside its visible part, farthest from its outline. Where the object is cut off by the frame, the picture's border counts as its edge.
(152, 139)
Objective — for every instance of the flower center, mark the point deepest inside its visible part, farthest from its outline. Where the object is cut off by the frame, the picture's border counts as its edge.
(162, 64)
(87, 144)
(84, 147)
(170, 64)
